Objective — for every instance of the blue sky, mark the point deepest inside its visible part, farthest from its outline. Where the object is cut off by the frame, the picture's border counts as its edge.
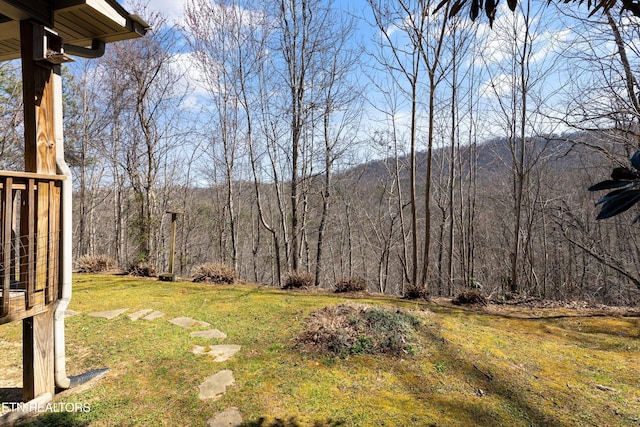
(493, 72)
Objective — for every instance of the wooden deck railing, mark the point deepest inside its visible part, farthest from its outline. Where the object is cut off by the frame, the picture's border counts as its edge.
(30, 243)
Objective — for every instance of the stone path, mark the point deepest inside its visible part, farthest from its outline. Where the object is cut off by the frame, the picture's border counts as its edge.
(220, 353)
(153, 315)
(228, 418)
(109, 315)
(139, 314)
(211, 333)
(214, 386)
(187, 322)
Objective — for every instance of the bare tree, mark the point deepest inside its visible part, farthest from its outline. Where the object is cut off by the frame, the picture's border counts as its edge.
(11, 117)
(512, 84)
(306, 31)
(148, 91)
(602, 106)
(425, 33)
(84, 130)
(339, 112)
(406, 65)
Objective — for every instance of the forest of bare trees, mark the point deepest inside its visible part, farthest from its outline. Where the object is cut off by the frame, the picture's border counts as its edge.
(382, 142)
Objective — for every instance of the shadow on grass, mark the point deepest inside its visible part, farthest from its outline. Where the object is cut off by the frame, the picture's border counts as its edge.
(619, 328)
(508, 389)
(11, 394)
(56, 419)
(291, 422)
(585, 331)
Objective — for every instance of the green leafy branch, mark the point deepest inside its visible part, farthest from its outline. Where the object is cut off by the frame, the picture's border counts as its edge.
(626, 183)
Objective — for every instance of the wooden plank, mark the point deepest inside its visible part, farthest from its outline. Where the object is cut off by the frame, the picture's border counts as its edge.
(99, 9)
(25, 412)
(53, 244)
(17, 186)
(9, 45)
(58, 243)
(77, 21)
(37, 355)
(80, 28)
(68, 29)
(30, 95)
(26, 175)
(7, 215)
(18, 10)
(17, 310)
(39, 153)
(15, 238)
(101, 26)
(79, 24)
(28, 246)
(9, 30)
(42, 235)
(45, 132)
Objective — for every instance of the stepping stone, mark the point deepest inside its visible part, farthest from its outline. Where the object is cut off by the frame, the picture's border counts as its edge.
(211, 333)
(153, 316)
(69, 313)
(220, 353)
(216, 385)
(187, 322)
(111, 314)
(228, 418)
(138, 314)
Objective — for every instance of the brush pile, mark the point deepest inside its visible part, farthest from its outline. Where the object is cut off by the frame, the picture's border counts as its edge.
(348, 329)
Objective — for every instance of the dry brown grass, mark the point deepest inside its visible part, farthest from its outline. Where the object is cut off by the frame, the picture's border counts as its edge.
(298, 281)
(214, 272)
(141, 269)
(469, 298)
(350, 284)
(95, 264)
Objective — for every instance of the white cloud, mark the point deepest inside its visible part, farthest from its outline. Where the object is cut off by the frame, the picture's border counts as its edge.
(497, 43)
(173, 10)
(191, 73)
(549, 42)
(498, 86)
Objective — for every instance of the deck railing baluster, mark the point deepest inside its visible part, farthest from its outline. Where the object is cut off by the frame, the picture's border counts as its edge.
(30, 243)
(7, 215)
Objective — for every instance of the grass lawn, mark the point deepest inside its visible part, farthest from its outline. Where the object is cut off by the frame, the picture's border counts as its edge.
(554, 368)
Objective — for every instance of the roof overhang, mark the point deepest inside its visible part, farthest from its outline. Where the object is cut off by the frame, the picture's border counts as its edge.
(80, 23)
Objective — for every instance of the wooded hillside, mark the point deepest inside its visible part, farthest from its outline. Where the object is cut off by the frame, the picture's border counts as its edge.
(380, 143)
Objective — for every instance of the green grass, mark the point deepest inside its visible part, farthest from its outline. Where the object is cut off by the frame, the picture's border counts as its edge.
(472, 368)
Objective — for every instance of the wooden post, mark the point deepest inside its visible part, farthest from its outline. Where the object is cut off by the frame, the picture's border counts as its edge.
(40, 157)
(174, 220)
(37, 81)
(37, 350)
(171, 276)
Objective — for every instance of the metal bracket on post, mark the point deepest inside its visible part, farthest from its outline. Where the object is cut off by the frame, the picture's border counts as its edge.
(48, 47)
